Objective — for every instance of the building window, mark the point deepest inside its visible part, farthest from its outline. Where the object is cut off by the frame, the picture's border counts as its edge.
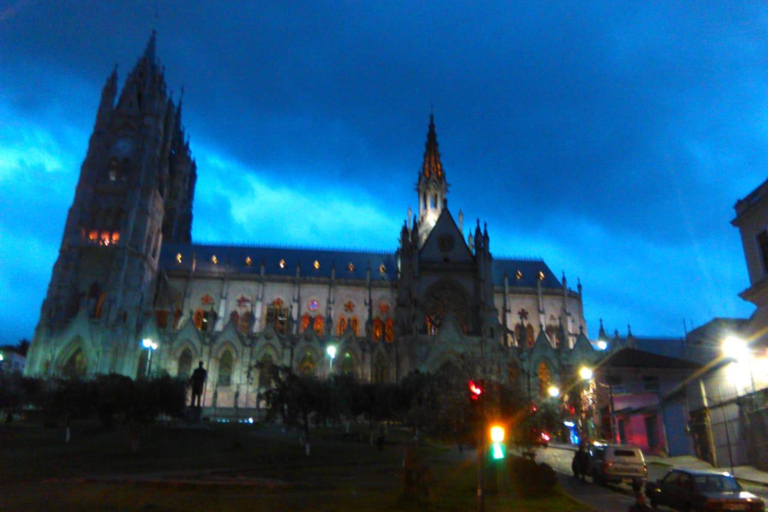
(378, 329)
(529, 336)
(185, 364)
(319, 325)
(305, 321)
(277, 316)
(341, 326)
(354, 324)
(226, 362)
(389, 331)
(762, 242)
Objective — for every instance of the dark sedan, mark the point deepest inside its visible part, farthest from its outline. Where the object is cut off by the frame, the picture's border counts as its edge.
(700, 491)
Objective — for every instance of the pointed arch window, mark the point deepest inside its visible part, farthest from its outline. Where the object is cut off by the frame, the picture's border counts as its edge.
(529, 336)
(354, 324)
(234, 318)
(389, 331)
(305, 321)
(185, 364)
(246, 322)
(198, 319)
(319, 325)
(226, 363)
(277, 316)
(341, 326)
(378, 329)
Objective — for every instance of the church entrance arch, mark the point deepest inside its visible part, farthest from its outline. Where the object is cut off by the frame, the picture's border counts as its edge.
(74, 363)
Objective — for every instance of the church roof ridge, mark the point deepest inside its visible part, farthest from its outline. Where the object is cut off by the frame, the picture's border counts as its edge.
(535, 259)
(289, 247)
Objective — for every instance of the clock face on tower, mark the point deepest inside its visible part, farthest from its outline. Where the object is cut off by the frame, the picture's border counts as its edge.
(123, 148)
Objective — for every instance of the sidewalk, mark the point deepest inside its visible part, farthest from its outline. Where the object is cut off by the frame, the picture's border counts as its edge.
(745, 473)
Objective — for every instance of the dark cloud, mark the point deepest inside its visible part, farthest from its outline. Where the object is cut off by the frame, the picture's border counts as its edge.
(611, 138)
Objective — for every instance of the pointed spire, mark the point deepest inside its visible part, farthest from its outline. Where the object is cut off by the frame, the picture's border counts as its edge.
(149, 52)
(109, 92)
(601, 335)
(432, 167)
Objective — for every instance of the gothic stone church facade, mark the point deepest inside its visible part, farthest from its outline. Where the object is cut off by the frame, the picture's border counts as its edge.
(128, 271)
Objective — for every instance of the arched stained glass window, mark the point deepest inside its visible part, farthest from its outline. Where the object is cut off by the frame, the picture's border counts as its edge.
(305, 320)
(529, 336)
(342, 325)
(226, 362)
(389, 331)
(354, 323)
(319, 325)
(378, 329)
(198, 318)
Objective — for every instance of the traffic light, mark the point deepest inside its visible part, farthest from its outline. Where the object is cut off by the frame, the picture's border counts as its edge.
(497, 438)
(475, 391)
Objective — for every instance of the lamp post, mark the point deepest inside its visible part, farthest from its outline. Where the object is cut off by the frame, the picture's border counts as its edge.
(151, 346)
(737, 349)
(331, 350)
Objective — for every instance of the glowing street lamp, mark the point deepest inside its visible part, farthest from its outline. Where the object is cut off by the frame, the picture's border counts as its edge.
(331, 350)
(737, 349)
(585, 373)
(151, 346)
(553, 391)
(602, 345)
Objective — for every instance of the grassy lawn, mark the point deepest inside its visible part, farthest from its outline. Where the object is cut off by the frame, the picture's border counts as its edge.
(233, 468)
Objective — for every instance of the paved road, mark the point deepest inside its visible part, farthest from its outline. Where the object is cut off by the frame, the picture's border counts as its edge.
(611, 498)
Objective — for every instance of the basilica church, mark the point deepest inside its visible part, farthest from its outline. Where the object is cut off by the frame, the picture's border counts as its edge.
(131, 292)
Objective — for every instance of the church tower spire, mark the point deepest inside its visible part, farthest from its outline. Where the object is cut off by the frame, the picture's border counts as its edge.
(432, 187)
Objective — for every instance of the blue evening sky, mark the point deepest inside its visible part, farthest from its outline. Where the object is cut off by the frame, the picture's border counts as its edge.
(611, 139)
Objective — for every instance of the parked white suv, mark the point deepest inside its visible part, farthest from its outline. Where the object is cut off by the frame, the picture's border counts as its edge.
(616, 463)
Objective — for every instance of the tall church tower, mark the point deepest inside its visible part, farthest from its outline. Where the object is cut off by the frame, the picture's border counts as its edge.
(135, 190)
(432, 187)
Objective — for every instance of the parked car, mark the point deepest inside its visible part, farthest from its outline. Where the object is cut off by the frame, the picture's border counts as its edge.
(616, 463)
(694, 491)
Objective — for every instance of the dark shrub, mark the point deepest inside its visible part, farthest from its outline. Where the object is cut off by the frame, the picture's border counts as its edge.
(529, 479)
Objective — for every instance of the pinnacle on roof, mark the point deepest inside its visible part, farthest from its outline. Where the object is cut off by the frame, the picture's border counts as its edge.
(432, 168)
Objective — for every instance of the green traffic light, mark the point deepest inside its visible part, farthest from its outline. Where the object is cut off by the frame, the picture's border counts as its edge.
(497, 451)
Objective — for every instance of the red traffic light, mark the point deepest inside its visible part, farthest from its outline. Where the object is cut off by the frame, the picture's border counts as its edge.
(475, 390)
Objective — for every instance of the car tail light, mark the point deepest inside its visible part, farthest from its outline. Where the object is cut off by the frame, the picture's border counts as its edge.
(544, 436)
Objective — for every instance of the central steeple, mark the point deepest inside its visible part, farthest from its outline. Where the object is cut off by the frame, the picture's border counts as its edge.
(432, 187)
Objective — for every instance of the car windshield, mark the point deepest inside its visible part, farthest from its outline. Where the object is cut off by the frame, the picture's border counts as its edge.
(716, 483)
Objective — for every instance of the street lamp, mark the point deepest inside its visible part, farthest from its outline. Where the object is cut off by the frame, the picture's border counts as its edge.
(553, 391)
(585, 373)
(151, 346)
(331, 350)
(737, 349)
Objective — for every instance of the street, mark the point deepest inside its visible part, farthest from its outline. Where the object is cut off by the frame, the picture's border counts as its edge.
(613, 497)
